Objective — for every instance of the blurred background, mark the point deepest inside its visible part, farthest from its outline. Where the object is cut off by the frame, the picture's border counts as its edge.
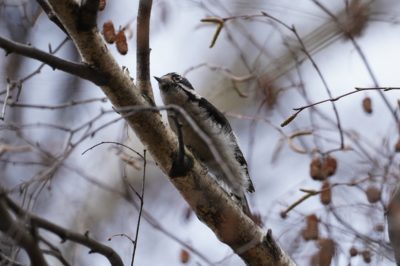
(336, 159)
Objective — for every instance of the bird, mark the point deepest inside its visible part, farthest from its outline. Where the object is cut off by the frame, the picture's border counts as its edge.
(177, 90)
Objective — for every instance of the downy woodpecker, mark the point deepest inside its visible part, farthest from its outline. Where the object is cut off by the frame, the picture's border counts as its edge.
(177, 90)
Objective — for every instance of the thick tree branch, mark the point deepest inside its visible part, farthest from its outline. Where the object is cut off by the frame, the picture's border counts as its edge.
(64, 234)
(209, 201)
(81, 70)
(143, 49)
(47, 9)
(87, 15)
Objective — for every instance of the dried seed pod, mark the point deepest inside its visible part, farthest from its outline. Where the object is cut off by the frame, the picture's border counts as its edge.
(397, 146)
(102, 5)
(311, 231)
(367, 256)
(184, 256)
(326, 193)
(367, 105)
(373, 194)
(121, 43)
(315, 169)
(353, 252)
(326, 252)
(321, 168)
(109, 32)
(329, 166)
(356, 18)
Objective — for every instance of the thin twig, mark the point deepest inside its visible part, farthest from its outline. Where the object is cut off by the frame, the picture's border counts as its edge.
(54, 107)
(3, 110)
(140, 207)
(53, 51)
(298, 202)
(312, 192)
(357, 89)
(113, 142)
(54, 251)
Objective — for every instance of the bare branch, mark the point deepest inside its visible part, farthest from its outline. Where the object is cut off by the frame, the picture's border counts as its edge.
(64, 234)
(81, 70)
(47, 9)
(54, 107)
(143, 49)
(3, 109)
(357, 89)
(140, 208)
(20, 235)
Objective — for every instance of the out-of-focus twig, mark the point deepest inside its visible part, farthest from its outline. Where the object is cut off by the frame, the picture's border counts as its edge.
(334, 99)
(3, 109)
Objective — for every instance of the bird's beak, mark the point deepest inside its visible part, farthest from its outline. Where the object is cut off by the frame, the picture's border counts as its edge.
(159, 80)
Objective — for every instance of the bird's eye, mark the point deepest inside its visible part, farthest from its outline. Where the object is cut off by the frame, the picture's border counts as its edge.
(176, 78)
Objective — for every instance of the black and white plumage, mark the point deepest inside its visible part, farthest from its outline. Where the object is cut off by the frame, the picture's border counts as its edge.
(177, 90)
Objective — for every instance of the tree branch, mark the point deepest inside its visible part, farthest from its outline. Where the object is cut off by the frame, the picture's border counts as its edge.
(81, 70)
(64, 234)
(143, 49)
(47, 9)
(20, 235)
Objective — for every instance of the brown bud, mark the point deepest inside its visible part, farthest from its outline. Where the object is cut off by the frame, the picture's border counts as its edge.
(311, 230)
(326, 193)
(353, 252)
(397, 146)
(102, 5)
(121, 43)
(367, 105)
(184, 256)
(373, 194)
(367, 256)
(109, 32)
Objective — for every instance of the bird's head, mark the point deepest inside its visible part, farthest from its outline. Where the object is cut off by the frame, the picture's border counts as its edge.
(173, 81)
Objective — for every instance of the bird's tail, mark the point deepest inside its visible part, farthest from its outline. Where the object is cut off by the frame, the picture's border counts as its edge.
(244, 204)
